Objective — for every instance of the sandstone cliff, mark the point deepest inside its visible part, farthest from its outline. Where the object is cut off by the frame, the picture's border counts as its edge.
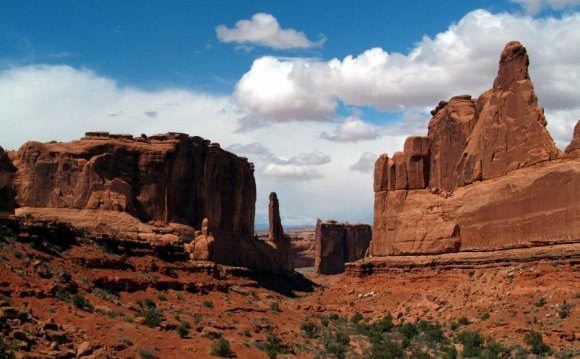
(7, 171)
(158, 183)
(338, 243)
(574, 147)
(487, 176)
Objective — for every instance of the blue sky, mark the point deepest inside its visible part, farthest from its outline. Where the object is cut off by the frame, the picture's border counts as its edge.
(311, 91)
(155, 44)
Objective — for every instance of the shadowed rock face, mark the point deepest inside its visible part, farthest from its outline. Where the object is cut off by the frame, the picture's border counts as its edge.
(338, 243)
(277, 237)
(488, 175)
(171, 178)
(7, 171)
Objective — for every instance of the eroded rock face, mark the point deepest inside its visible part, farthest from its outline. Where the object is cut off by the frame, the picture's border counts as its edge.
(574, 146)
(171, 178)
(202, 247)
(338, 243)
(494, 177)
(7, 171)
(449, 129)
(509, 128)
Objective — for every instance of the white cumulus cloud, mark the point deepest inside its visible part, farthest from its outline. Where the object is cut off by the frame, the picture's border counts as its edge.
(290, 172)
(366, 163)
(461, 60)
(352, 130)
(275, 89)
(264, 30)
(253, 148)
(310, 159)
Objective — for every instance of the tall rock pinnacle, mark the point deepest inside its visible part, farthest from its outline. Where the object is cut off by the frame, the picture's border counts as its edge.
(277, 237)
(509, 127)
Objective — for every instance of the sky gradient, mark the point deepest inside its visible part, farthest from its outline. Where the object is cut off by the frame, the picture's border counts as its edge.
(311, 92)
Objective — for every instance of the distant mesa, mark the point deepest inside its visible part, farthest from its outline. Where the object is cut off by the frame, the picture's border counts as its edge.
(162, 188)
(487, 176)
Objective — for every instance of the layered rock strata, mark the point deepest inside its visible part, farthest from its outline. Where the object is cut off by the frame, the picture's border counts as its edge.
(487, 176)
(162, 181)
(338, 243)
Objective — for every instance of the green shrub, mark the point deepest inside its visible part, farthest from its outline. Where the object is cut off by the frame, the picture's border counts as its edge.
(275, 307)
(221, 348)
(564, 310)
(207, 304)
(463, 321)
(494, 350)
(385, 324)
(356, 318)
(335, 317)
(162, 297)
(386, 349)
(536, 343)
(484, 316)
(152, 317)
(183, 329)
(433, 332)
(337, 345)
(409, 330)
(540, 302)
(449, 352)
(420, 355)
(146, 303)
(273, 346)
(472, 342)
(81, 302)
(310, 329)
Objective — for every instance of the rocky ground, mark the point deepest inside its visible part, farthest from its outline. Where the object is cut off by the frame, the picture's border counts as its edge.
(67, 295)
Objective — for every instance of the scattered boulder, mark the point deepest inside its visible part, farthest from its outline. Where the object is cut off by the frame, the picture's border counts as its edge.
(84, 349)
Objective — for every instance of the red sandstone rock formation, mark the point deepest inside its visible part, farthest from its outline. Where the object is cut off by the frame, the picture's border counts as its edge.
(338, 243)
(488, 176)
(201, 248)
(277, 238)
(449, 130)
(574, 146)
(509, 128)
(7, 171)
(169, 179)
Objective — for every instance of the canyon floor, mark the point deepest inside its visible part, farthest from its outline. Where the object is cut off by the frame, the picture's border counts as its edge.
(81, 298)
